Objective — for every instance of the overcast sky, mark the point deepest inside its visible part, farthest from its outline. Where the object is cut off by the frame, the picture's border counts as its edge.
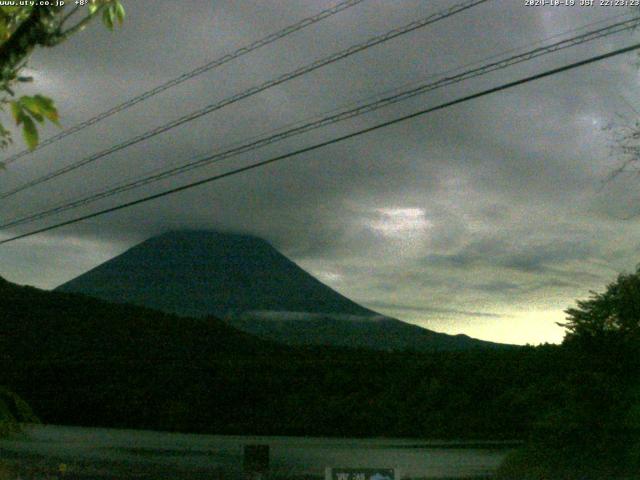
(489, 218)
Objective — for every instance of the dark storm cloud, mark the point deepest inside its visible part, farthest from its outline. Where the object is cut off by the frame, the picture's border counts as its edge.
(497, 286)
(518, 254)
(489, 211)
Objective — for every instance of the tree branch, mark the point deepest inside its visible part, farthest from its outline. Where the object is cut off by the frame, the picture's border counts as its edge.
(69, 15)
(35, 30)
(78, 26)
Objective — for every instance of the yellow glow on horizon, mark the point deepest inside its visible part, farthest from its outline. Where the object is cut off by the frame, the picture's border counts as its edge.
(533, 327)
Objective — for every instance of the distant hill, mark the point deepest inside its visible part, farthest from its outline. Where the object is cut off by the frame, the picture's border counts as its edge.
(70, 326)
(255, 288)
(381, 333)
(84, 361)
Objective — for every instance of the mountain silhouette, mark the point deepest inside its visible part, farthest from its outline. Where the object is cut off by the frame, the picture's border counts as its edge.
(246, 281)
(198, 273)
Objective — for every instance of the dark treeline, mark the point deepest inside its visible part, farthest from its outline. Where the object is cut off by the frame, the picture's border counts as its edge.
(592, 428)
(82, 361)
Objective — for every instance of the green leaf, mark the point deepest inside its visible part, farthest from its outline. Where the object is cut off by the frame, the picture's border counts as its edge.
(108, 16)
(93, 7)
(45, 102)
(120, 12)
(30, 133)
(31, 104)
(52, 116)
(4, 29)
(38, 117)
(10, 11)
(47, 108)
(38, 106)
(16, 111)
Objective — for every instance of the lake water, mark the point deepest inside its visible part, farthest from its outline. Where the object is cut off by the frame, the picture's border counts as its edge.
(145, 451)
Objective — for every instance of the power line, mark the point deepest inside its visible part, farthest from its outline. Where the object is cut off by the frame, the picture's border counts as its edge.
(373, 41)
(305, 22)
(328, 120)
(388, 123)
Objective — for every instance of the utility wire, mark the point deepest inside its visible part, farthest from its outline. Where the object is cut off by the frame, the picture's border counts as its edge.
(331, 119)
(193, 73)
(410, 27)
(333, 141)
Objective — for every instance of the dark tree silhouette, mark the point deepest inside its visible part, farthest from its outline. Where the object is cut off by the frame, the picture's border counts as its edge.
(614, 314)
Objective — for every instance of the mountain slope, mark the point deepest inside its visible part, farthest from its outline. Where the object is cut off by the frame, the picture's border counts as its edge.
(198, 273)
(83, 361)
(255, 288)
(70, 327)
(378, 334)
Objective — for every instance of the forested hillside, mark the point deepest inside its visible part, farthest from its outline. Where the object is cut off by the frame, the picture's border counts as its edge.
(82, 361)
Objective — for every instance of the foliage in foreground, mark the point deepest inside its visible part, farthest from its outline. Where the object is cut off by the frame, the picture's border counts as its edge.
(571, 462)
(13, 411)
(22, 29)
(593, 430)
(6, 472)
